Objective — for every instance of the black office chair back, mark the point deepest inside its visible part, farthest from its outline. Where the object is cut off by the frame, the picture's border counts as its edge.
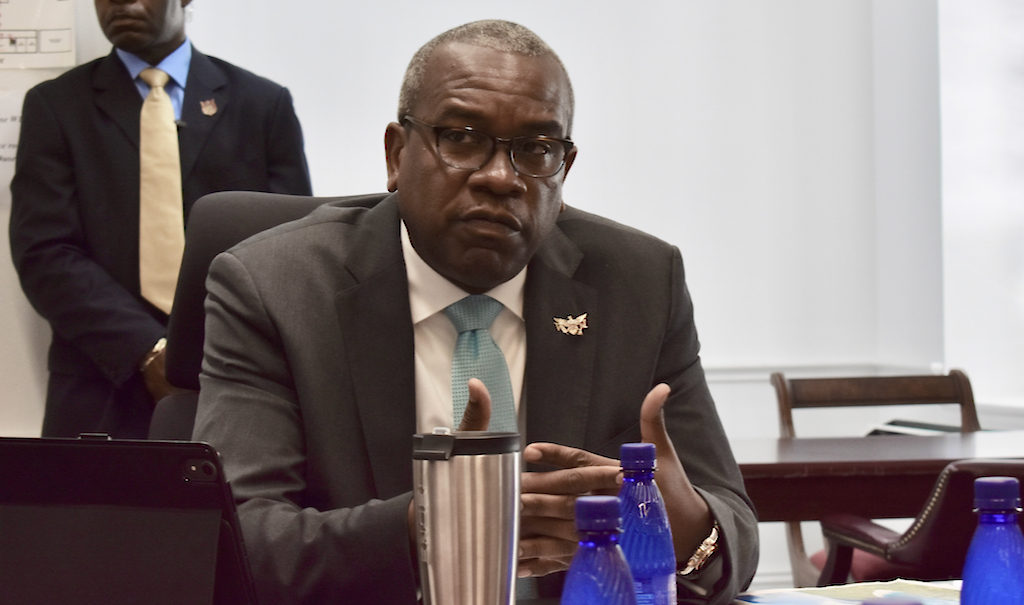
(216, 222)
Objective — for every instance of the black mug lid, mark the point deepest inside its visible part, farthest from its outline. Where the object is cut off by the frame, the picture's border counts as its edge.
(444, 444)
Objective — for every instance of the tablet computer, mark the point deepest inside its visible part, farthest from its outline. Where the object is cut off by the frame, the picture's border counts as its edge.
(93, 520)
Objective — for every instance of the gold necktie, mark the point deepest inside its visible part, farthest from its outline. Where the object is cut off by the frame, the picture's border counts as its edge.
(161, 216)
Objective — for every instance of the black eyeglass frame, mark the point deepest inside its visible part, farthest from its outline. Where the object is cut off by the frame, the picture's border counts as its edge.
(568, 144)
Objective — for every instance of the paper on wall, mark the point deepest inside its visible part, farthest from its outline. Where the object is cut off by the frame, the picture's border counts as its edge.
(37, 33)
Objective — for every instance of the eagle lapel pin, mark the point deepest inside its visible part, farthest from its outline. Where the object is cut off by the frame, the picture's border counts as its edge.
(573, 326)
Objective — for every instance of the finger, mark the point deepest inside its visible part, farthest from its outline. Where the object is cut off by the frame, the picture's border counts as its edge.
(561, 456)
(582, 480)
(652, 424)
(542, 567)
(546, 547)
(546, 527)
(548, 505)
(478, 409)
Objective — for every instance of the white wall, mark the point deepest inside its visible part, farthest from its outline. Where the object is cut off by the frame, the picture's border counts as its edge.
(752, 145)
(24, 336)
(982, 54)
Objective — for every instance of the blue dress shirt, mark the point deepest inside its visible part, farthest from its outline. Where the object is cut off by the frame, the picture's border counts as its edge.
(175, 65)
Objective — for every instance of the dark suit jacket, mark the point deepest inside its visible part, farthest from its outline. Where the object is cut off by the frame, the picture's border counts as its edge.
(308, 389)
(74, 218)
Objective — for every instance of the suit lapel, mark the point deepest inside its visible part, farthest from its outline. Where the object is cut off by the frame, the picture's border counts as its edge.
(559, 367)
(117, 96)
(381, 347)
(206, 83)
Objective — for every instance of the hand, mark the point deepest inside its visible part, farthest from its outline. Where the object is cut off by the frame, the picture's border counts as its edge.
(155, 379)
(688, 513)
(547, 536)
(476, 418)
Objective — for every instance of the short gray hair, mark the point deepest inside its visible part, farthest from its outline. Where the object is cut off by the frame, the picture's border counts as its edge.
(503, 36)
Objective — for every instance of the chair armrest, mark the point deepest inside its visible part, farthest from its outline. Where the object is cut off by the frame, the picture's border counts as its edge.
(843, 532)
(858, 532)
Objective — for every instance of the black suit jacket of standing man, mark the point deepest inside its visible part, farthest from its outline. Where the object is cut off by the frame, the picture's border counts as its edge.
(75, 211)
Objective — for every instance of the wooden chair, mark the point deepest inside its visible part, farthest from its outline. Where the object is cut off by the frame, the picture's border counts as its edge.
(861, 391)
(935, 545)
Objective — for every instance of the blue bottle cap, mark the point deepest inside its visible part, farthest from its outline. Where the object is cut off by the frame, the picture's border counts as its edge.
(637, 456)
(996, 493)
(598, 513)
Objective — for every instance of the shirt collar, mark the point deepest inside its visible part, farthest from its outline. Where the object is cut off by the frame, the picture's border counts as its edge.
(430, 292)
(174, 65)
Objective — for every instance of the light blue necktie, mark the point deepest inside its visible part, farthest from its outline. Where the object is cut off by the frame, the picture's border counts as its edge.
(478, 356)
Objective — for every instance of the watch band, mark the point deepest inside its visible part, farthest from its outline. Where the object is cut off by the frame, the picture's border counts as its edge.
(703, 552)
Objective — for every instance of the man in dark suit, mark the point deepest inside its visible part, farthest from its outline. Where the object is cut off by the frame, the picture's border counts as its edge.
(327, 346)
(74, 227)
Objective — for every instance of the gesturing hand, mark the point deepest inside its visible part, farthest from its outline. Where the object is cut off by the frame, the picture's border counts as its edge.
(547, 538)
(688, 513)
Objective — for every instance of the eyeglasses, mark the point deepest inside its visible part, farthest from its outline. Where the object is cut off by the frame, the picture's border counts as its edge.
(468, 149)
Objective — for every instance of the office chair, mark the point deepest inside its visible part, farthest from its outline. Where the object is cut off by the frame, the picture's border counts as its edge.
(861, 391)
(216, 222)
(935, 545)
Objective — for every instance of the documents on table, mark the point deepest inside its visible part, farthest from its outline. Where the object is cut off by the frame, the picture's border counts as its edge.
(929, 593)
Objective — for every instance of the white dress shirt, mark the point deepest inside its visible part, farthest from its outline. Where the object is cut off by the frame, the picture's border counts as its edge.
(435, 337)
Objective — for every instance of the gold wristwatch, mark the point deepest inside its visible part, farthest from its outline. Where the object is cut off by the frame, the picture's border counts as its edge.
(703, 552)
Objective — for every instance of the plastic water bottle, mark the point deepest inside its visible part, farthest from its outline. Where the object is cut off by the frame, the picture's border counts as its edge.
(646, 535)
(599, 574)
(994, 568)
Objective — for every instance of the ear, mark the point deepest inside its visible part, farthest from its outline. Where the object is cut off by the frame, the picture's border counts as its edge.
(569, 159)
(395, 138)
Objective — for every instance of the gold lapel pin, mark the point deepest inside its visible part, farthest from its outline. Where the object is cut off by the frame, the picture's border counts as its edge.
(572, 326)
(208, 107)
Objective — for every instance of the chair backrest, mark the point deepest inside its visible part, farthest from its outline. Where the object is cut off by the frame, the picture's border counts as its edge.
(217, 222)
(936, 542)
(873, 391)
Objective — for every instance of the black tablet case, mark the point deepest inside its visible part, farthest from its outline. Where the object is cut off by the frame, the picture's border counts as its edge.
(90, 521)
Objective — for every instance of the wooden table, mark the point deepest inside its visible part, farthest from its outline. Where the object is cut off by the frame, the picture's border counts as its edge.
(883, 476)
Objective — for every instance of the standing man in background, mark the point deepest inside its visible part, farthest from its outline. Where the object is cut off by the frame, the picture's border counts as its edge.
(96, 243)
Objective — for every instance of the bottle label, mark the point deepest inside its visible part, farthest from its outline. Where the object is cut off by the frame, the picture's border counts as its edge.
(658, 590)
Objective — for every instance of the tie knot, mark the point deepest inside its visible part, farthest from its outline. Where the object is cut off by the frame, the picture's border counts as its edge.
(156, 78)
(476, 312)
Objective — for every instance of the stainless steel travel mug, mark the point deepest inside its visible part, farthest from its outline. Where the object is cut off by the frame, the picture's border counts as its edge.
(467, 516)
